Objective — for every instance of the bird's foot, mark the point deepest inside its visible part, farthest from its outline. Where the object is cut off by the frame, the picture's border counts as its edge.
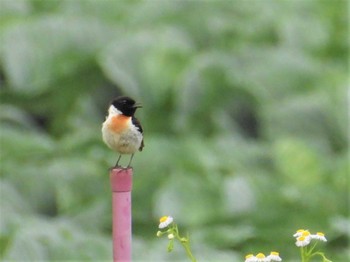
(120, 167)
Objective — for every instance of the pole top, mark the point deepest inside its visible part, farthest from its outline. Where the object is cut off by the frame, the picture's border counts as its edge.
(121, 179)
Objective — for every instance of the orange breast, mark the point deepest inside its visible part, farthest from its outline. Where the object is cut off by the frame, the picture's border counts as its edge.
(119, 123)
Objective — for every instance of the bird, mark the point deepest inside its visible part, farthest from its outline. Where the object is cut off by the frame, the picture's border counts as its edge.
(122, 131)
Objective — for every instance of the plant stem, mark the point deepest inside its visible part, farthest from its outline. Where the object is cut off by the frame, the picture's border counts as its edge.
(321, 255)
(311, 249)
(185, 242)
(186, 245)
(302, 254)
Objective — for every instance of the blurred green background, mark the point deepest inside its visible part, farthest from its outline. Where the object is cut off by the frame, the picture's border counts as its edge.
(245, 117)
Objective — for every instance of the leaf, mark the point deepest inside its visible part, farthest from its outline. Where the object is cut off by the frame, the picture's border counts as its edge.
(113, 11)
(15, 116)
(10, 9)
(19, 144)
(238, 196)
(302, 116)
(38, 53)
(203, 84)
(13, 207)
(135, 62)
(223, 235)
(23, 249)
(176, 198)
(299, 163)
(41, 239)
(170, 245)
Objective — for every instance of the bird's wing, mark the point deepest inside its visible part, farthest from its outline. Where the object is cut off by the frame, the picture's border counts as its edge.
(137, 123)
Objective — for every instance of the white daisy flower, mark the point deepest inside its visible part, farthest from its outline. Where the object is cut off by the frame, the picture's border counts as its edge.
(261, 258)
(165, 221)
(250, 258)
(274, 256)
(319, 236)
(302, 241)
(299, 232)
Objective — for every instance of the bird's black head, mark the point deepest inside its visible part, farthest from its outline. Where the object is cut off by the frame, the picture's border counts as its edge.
(126, 105)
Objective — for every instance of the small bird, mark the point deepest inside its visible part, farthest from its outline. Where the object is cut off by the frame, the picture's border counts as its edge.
(121, 131)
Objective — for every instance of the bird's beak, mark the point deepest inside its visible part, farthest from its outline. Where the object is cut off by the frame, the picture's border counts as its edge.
(137, 105)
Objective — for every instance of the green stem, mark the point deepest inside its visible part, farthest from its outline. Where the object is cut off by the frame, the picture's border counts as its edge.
(321, 255)
(304, 254)
(311, 249)
(185, 242)
(186, 245)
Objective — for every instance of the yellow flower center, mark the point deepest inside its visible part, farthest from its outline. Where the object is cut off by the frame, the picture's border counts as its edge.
(163, 219)
(273, 253)
(260, 255)
(306, 233)
(301, 238)
(300, 230)
(249, 256)
(320, 234)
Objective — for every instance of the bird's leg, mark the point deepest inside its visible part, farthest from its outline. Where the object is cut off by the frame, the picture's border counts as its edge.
(116, 164)
(130, 160)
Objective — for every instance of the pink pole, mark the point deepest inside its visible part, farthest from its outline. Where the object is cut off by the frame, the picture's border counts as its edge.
(121, 183)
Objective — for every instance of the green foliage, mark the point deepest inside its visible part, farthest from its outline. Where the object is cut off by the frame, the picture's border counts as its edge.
(245, 118)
